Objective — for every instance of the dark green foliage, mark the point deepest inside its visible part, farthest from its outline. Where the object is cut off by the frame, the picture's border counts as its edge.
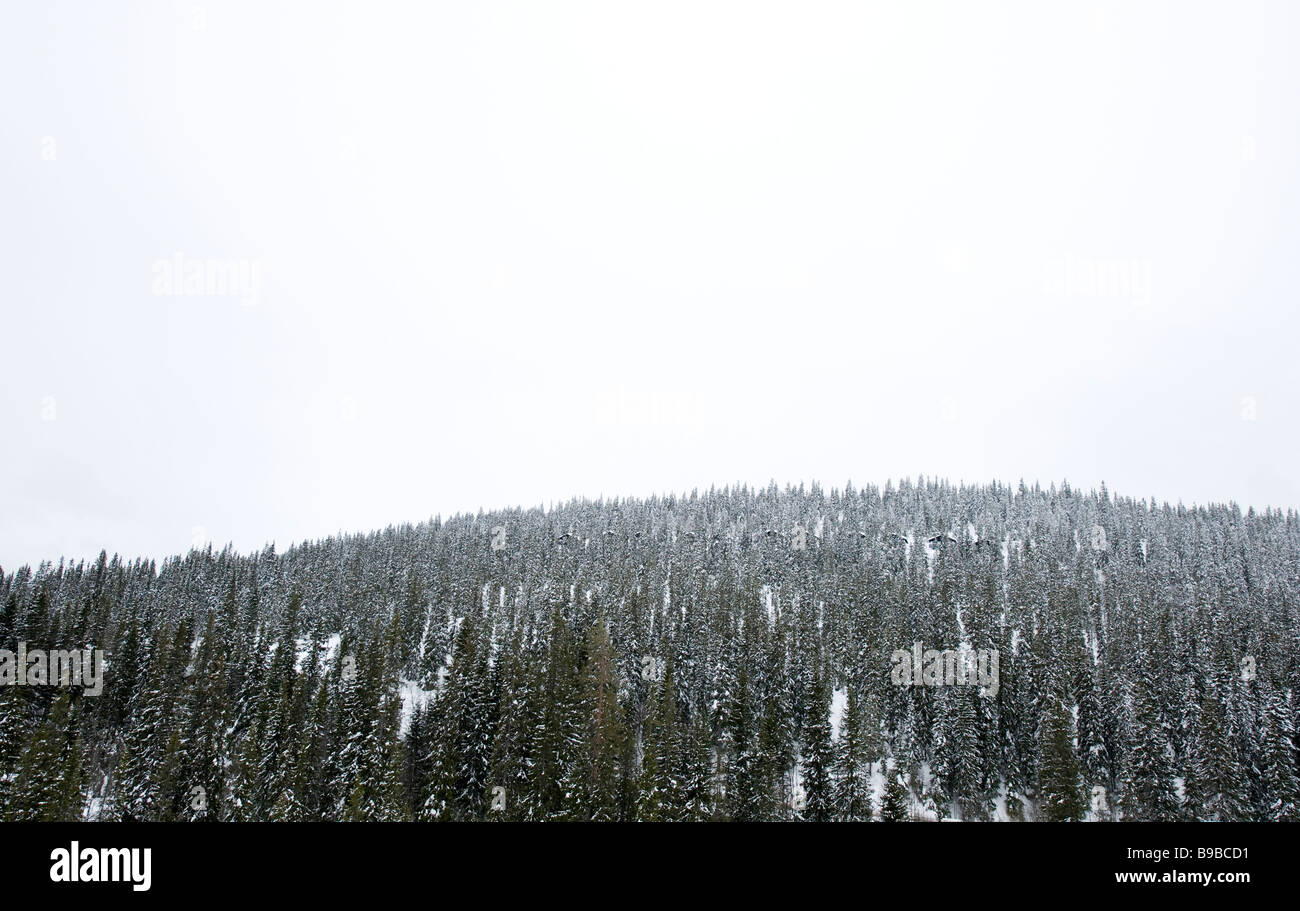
(816, 754)
(895, 805)
(272, 685)
(1060, 785)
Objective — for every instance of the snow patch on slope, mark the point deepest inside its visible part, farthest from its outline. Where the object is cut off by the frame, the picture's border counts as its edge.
(839, 704)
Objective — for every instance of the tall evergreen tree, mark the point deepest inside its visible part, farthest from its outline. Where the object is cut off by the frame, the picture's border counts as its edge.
(817, 754)
(1060, 782)
(1217, 786)
(1148, 784)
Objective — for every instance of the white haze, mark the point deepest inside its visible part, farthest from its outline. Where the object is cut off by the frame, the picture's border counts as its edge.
(511, 253)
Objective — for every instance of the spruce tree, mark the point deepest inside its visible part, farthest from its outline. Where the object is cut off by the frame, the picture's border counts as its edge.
(1278, 774)
(1216, 787)
(895, 805)
(816, 754)
(1148, 780)
(48, 784)
(1060, 783)
(852, 770)
(660, 792)
(603, 750)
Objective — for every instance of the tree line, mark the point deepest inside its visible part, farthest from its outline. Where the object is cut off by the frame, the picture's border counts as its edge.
(721, 655)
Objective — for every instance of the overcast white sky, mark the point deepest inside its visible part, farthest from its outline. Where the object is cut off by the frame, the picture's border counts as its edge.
(509, 253)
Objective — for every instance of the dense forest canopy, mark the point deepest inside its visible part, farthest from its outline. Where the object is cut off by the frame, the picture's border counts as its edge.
(722, 655)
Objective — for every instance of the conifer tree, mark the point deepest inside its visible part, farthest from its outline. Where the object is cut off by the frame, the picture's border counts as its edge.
(1216, 786)
(817, 758)
(698, 786)
(47, 787)
(558, 774)
(461, 752)
(1278, 775)
(894, 806)
(1148, 783)
(1060, 782)
(603, 752)
(13, 734)
(852, 769)
(660, 793)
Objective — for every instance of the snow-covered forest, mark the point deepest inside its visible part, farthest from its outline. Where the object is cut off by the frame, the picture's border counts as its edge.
(722, 655)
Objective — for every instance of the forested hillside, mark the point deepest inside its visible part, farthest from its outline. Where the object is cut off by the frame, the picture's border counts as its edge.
(723, 655)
